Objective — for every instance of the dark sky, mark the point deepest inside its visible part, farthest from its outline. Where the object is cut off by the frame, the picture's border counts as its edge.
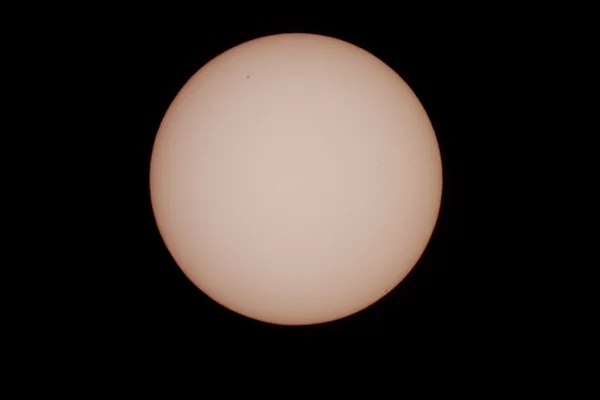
(135, 288)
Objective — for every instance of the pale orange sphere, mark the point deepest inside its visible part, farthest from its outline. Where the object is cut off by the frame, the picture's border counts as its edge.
(296, 179)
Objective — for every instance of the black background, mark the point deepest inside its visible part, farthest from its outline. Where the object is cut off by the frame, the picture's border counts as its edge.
(130, 286)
